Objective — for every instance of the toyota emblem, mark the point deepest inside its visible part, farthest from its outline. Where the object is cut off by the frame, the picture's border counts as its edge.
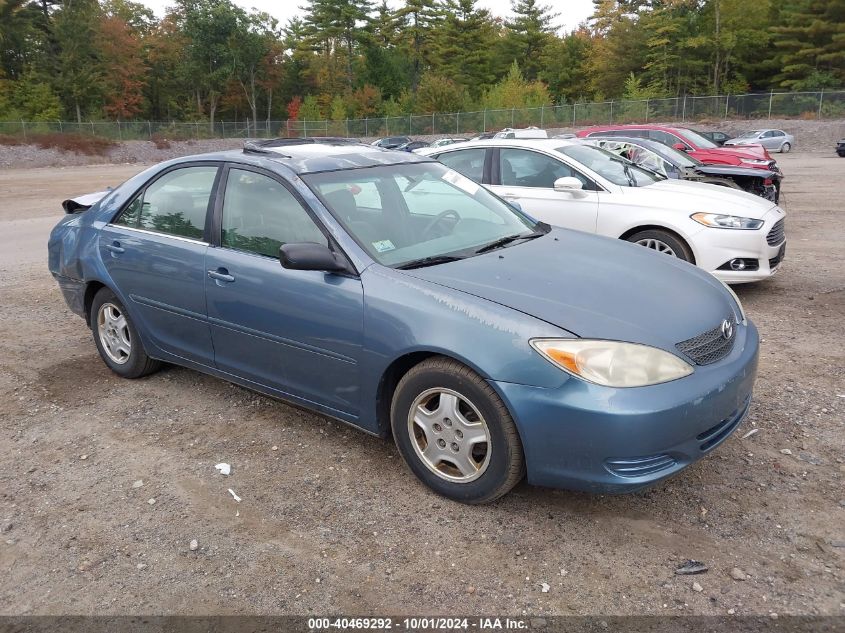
(727, 330)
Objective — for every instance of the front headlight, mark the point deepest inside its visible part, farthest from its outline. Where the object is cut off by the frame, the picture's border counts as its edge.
(755, 161)
(613, 363)
(718, 221)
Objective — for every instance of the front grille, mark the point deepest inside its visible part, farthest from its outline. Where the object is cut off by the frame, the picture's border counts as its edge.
(710, 346)
(777, 233)
(630, 467)
(777, 259)
(717, 434)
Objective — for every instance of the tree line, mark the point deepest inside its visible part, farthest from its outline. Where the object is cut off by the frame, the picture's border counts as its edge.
(211, 59)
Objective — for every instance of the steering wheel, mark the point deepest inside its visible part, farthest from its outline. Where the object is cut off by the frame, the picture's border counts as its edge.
(438, 219)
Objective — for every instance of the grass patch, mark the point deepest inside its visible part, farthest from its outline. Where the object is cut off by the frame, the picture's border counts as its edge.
(77, 143)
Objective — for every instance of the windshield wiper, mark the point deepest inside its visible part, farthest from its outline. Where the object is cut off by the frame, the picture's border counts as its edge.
(429, 261)
(504, 241)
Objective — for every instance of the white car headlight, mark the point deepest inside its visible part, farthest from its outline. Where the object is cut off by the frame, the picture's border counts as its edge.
(613, 363)
(719, 221)
(755, 161)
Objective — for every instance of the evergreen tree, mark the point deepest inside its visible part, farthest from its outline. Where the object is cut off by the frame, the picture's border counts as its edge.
(418, 20)
(529, 33)
(465, 45)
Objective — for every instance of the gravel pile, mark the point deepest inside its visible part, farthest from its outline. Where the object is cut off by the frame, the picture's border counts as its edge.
(812, 136)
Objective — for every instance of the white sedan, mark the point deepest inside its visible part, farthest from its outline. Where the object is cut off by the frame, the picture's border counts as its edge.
(736, 236)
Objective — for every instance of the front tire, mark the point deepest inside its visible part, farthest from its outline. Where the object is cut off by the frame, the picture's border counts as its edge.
(455, 433)
(784, 149)
(117, 339)
(663, 242)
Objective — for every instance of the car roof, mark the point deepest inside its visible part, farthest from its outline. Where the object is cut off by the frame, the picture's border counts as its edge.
(304, 156)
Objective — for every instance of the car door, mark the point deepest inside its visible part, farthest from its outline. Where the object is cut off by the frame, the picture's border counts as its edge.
(296, 332)
(527, 176)
(154, 250)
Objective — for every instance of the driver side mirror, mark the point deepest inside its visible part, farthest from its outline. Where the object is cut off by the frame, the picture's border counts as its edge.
(568, 183)
(310, 256)
(681, 147)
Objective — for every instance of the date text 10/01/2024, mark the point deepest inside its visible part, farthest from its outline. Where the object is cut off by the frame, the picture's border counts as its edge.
(417, 623)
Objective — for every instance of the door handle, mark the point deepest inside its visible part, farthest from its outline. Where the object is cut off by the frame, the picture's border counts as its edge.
(221, 274)
(115, 248)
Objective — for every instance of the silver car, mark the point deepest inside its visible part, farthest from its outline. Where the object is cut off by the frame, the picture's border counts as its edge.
(776, 140)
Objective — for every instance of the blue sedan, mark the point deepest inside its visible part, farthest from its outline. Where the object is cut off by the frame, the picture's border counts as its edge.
(389, 292)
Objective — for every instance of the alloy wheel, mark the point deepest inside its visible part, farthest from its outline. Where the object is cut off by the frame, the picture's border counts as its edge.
(113, 331)
(657, 245)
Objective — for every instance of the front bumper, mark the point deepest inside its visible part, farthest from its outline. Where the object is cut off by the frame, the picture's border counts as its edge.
(583, 436)
(714, 248)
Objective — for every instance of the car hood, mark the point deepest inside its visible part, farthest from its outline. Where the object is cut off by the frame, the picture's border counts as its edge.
(744, 151)
(594, 287)
(729, 170)
(689, 197)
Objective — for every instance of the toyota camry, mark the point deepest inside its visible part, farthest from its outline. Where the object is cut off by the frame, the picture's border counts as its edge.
(385, 290)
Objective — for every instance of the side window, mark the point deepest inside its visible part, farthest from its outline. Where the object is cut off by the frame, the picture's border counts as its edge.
(525, 168)
(259, 215)
(469, 162)
(175, 204)
(665, 138)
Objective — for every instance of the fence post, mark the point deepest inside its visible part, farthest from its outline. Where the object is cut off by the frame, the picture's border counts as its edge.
(93, 133)
(457, 123)
(684, 110)
(432, 123)
(410, 125)
(347, 127)
(61, 129)
(484, 121)
(821, 98)
(771, 94)
(386, 127)
(574, 105)
(513, 112)
(611, 111)
(119, 132)
(150, 128)
(727, 98)
(23, 127)
(366, 126)
(646, 110)
(542, 117)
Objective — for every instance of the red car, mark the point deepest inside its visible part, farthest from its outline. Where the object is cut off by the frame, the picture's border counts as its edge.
(691, 142)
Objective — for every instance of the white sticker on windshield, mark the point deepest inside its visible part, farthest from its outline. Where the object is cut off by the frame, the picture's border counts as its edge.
(461, 182)
(383, 246)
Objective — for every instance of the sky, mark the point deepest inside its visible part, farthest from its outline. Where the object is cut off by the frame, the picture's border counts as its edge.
(572, 12)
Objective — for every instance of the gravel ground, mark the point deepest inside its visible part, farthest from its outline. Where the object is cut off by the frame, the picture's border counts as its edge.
(816, 136)
(104, 483)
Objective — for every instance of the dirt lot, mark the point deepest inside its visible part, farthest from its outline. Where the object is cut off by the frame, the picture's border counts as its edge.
(331, 521)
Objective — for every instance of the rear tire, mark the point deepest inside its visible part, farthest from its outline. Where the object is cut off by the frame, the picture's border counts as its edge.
(455, 433)
(784, 149)
(663, 242)
(116, 338)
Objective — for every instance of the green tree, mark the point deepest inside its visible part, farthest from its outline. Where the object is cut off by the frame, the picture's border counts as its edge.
(418, 21)
(464, 45)
(439, 94)
(528, 34)
(810, 40)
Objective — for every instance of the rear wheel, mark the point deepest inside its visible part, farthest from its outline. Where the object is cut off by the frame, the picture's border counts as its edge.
(455, 433)
(663, 242)
(117, 339)
(784, 149)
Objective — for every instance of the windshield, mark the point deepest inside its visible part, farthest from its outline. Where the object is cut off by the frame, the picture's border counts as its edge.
(614, 168)
(418, 213)
(751, 134)
(698, 140)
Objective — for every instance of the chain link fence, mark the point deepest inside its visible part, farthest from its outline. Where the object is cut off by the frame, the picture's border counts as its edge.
(761, 106)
